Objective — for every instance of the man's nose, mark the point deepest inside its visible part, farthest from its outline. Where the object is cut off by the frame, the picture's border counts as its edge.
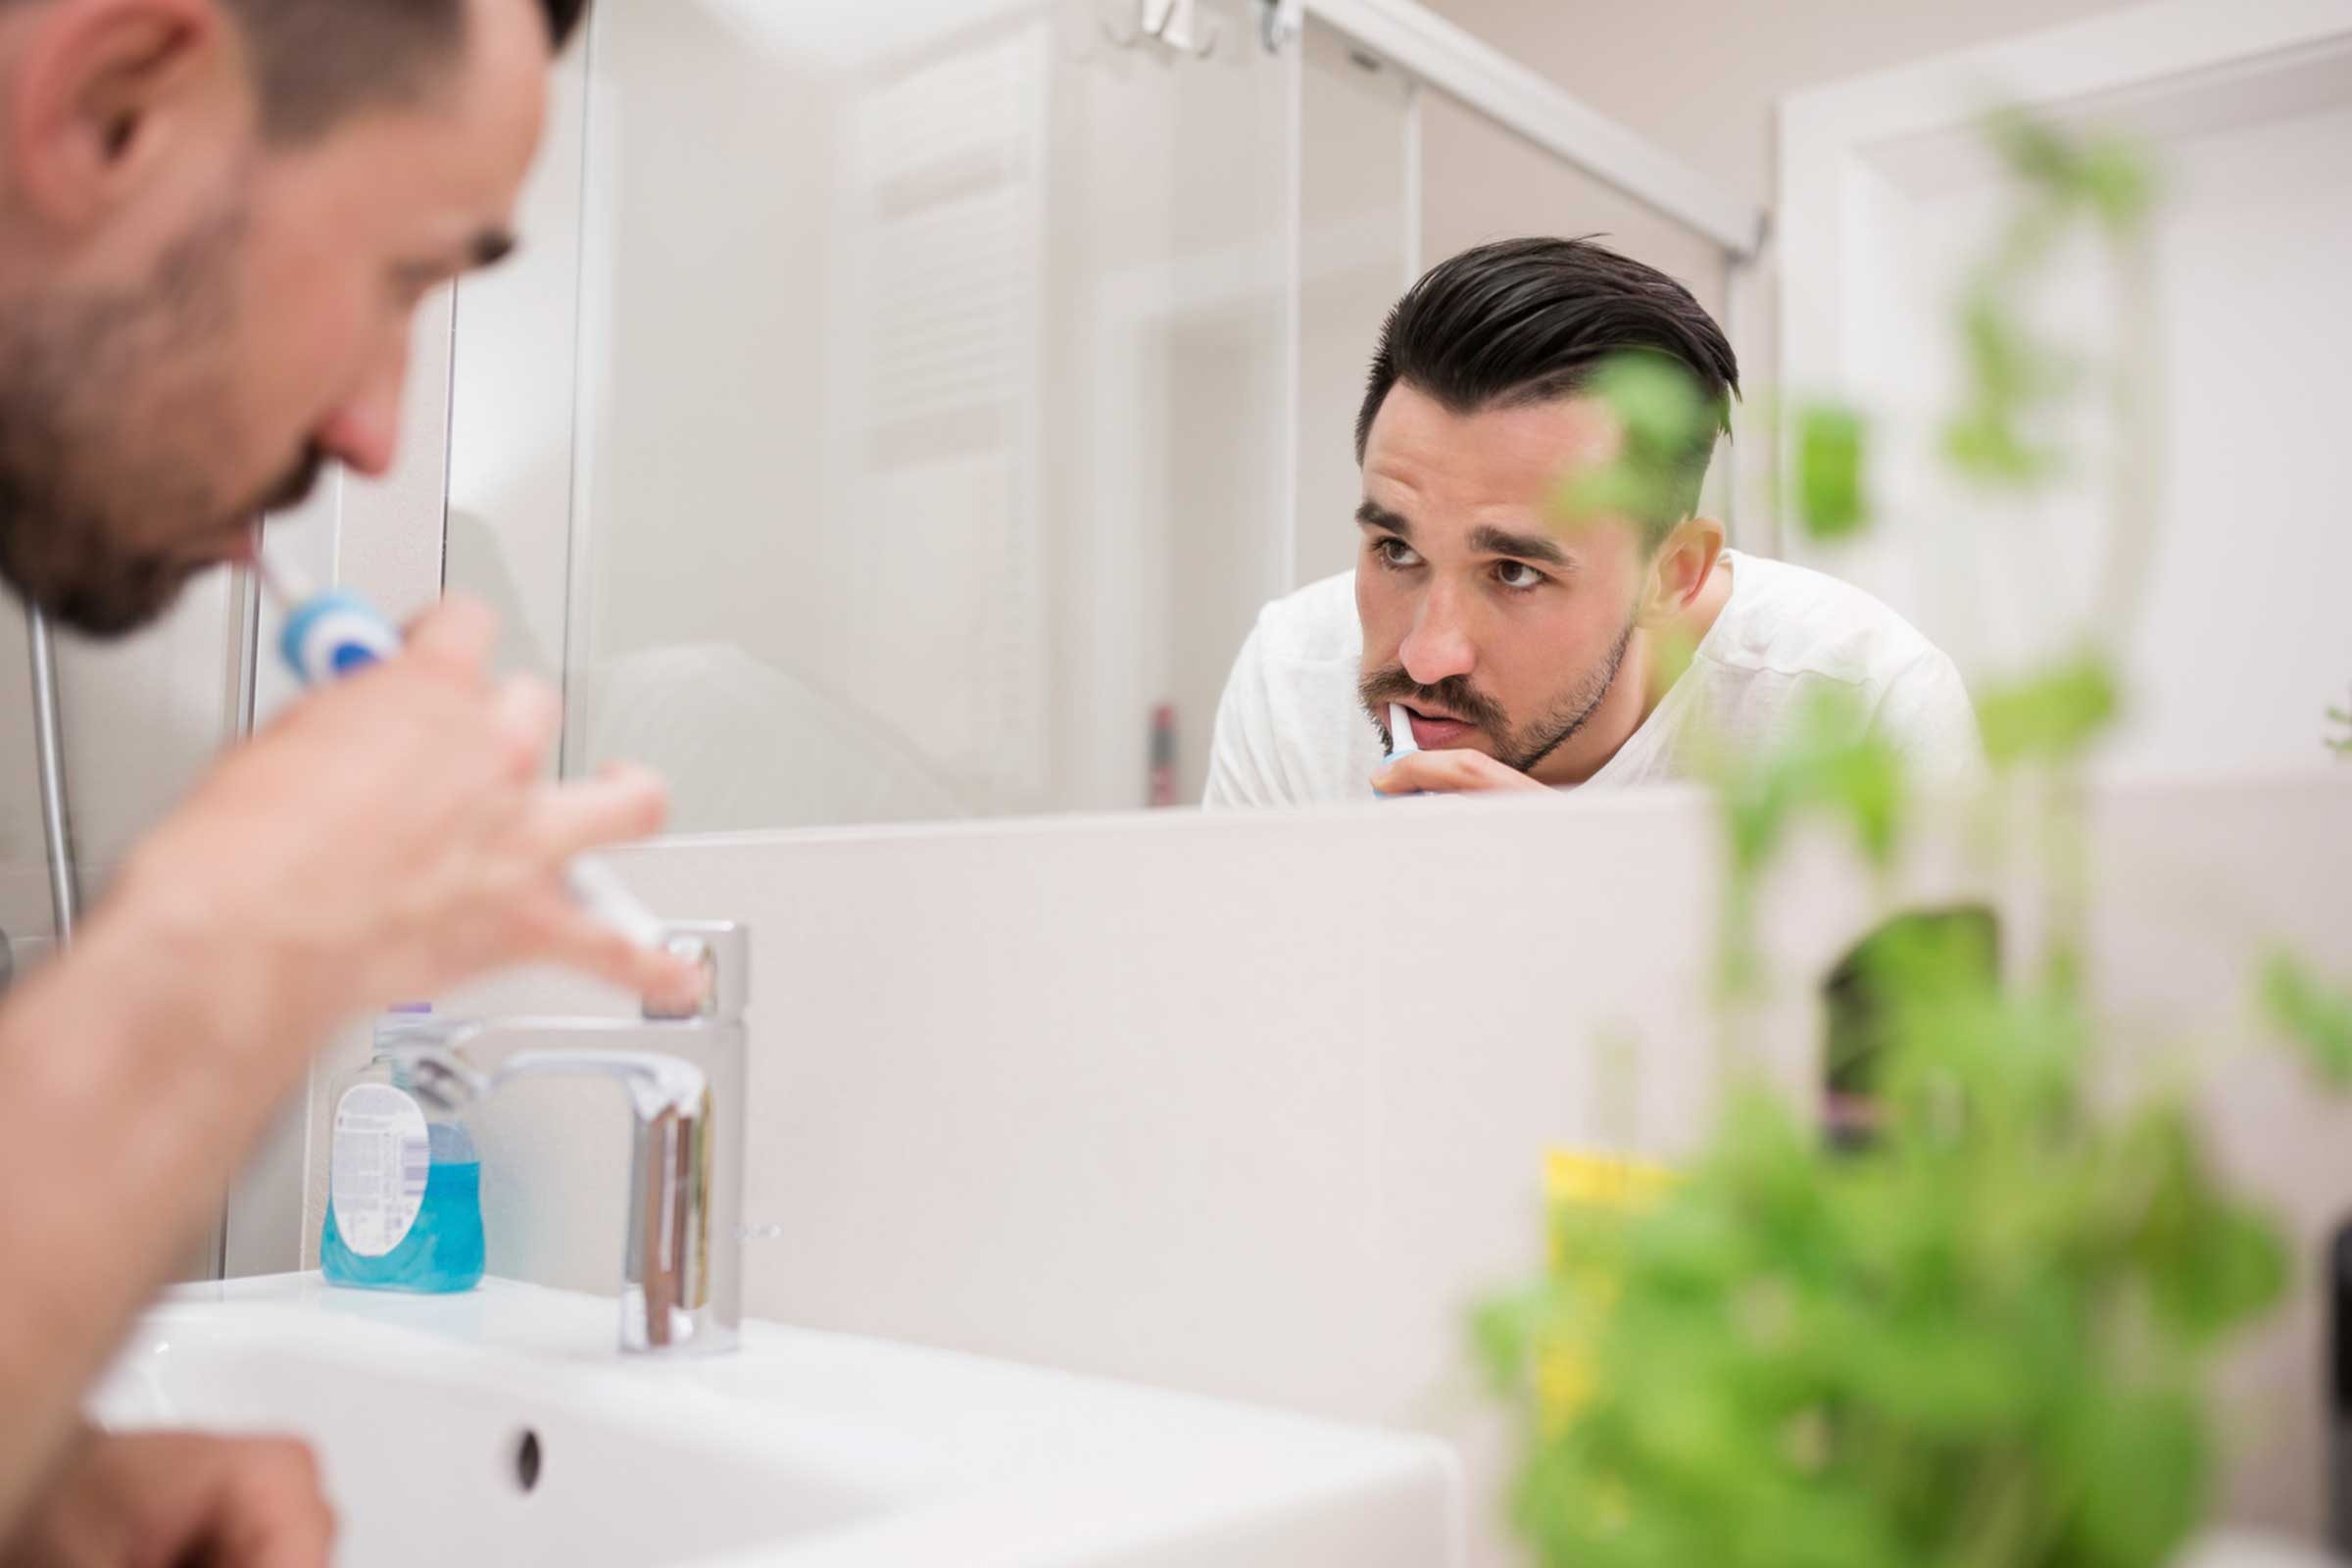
(1439, 644)
(364, 430)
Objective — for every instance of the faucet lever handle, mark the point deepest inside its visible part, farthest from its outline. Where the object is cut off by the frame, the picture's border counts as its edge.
(722, 949)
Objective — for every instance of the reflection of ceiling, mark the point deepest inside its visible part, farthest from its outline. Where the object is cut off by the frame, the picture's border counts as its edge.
(843, 34)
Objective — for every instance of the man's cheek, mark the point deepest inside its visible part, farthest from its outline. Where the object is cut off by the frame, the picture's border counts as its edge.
(1371, 617)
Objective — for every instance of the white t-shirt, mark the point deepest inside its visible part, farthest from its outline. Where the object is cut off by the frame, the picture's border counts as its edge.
(1290, 731)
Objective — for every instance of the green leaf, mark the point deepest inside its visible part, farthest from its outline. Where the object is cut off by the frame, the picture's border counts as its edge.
(1831, 762)
(2211, 1264)
(2316, 1015)
(2107, 177)
(2118, 182)
(1666, 425)
(1986, 448)
(1499, 1334)
(1656, 401)
(2012, 382)
(2052, 716)
(1830, 498)
(2141, 1461)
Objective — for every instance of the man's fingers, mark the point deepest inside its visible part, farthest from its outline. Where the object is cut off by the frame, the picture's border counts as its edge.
(1449, 772)
(458, 636)
(572, 938)
(531, 715)
(1424, 773)
(622, 803)
(271, 1511)
(617, 806)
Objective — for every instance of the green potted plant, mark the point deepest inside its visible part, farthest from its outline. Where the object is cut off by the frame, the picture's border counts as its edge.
(1980, 1331)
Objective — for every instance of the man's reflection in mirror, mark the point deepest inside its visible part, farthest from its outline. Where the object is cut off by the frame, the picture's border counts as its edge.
(1528, 655)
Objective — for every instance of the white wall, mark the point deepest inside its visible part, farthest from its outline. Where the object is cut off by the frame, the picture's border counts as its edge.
(1255, 1105)
(2218, 530)
(1703, 81)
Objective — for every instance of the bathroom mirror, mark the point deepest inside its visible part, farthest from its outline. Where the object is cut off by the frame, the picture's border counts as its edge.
(903, 412)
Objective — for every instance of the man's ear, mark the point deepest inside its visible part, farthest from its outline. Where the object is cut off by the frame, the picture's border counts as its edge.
(108, 95)
(1680, 569)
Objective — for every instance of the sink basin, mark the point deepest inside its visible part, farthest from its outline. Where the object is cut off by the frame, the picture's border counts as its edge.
(500, 1426)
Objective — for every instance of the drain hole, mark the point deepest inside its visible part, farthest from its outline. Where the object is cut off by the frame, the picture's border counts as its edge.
(526, 1461)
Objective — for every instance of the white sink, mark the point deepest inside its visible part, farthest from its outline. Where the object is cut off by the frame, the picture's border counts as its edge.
(805, 1449)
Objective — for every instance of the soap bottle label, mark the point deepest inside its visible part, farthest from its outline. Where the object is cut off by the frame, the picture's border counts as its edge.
(383, 1155)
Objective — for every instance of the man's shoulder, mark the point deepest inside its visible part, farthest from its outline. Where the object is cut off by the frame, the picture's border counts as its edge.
(1289, 730)
(1788, 620)
(1315, 625)
(1800, 627)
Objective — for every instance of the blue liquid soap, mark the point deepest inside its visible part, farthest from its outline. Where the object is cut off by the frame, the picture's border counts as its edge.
(443, 1250)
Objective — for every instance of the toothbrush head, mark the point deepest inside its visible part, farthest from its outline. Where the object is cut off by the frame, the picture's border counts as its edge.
(1401, 732)
(286, 583)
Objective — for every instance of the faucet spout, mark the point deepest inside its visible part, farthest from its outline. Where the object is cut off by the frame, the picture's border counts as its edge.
(683, 1079)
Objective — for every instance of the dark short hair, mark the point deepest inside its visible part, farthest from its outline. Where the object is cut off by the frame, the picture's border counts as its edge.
(1526, 321)
(317, 61)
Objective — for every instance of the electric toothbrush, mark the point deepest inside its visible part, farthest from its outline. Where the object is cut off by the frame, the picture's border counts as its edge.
(1402, 745)
(330, 633)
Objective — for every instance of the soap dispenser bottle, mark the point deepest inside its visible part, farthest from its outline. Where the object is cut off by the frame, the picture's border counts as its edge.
(404, 1204)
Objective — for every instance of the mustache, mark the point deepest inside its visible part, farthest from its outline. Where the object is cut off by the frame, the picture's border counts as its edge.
(1454, 693)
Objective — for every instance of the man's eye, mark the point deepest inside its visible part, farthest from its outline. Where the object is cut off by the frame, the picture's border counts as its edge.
(1518, 574)
(1396, 553)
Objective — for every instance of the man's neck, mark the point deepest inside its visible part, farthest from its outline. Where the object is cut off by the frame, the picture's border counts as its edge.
(1654, 659)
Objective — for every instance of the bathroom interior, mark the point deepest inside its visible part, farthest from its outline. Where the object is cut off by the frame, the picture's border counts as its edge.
(889, 432)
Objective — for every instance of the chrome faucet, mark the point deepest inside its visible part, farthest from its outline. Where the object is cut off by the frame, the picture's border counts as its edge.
(682, 1290)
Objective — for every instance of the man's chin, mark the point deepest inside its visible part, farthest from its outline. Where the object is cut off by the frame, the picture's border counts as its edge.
(129, 604)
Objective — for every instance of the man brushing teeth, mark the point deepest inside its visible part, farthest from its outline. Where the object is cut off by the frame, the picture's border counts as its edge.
(1529, 654)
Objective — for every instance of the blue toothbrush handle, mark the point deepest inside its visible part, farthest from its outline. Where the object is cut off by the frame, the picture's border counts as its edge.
(334, 634)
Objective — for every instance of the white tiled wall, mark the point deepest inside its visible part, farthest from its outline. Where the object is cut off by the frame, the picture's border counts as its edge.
(1253, 1106)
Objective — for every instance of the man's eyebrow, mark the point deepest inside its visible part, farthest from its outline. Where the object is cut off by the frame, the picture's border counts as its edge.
(1519, 546)
(1372, 515)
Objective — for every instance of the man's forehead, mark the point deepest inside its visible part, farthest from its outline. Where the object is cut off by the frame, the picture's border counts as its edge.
(447, 170)
(1502, 458)
(1538, 439)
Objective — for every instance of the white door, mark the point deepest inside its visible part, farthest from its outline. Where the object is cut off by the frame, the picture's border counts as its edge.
(934, 370)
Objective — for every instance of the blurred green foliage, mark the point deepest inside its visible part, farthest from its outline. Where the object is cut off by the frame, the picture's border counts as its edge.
(1979, 1339)
(1832, 502)
(2341, 718)
(2316, 1015)
(2004, 433)
(1830, 766)
(1665, 422)
(2051, 716)
(1981, 1336)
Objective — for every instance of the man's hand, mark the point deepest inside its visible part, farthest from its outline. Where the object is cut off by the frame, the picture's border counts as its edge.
(167, 1500)
(391, 836)
(1450, 772)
